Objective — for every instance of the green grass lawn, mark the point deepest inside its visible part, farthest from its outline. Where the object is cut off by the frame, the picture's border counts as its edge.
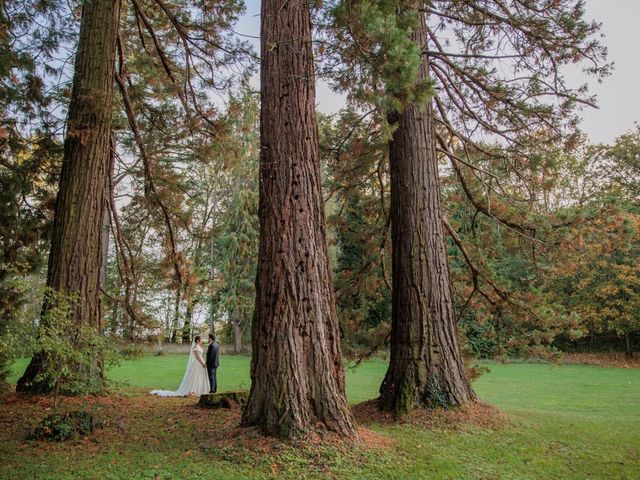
(568, 421)
(165, 373)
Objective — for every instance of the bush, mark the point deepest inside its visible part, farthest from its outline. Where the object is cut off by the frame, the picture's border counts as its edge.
(132, 351)
(75, 353)
(19, 294)
(68, 426)
(480, 338)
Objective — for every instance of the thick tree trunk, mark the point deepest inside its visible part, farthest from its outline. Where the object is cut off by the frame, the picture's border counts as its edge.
(296, 370)
(426, 367)
(77, 241)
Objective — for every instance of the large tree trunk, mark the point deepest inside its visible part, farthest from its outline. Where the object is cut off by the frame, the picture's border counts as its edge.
(426, 367)
(76, 246)
(296, 370)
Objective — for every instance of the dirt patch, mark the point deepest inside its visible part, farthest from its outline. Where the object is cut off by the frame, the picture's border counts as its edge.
(228, 433)
(477, 414)
(614, 359)
(375, 440)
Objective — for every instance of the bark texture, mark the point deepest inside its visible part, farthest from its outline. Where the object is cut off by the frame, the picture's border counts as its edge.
(77, 240)
(426, 368)
(296, 370)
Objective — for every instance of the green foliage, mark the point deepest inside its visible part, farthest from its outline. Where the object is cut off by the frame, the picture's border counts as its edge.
(60, 427)
(27, 177)
(619, 165)
(236, 246)
(437, 397)
(480, 338)
(16, 329)
(72, 352)
(379, 60)
(595, 273)
(132, 351)
(363, 299)
(598, 277)
(357, 182)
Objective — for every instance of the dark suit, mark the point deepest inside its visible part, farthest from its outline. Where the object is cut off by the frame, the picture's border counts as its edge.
(213, 361)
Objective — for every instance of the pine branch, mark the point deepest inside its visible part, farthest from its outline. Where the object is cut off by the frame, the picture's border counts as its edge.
(146, 161)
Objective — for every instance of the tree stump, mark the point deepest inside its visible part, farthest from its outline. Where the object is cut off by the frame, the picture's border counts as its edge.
(224, 399)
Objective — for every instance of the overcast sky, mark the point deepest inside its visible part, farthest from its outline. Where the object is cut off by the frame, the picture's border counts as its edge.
(618, 95)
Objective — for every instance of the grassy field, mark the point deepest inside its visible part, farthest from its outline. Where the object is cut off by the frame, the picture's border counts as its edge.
(577, 422)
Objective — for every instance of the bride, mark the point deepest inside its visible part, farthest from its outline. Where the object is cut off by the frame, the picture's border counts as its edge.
(195, 380)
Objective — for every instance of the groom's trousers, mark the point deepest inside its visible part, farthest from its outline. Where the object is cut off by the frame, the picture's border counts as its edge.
(213, 380)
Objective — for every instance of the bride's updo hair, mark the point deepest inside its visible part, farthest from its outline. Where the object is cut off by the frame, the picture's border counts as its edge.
(197, 339)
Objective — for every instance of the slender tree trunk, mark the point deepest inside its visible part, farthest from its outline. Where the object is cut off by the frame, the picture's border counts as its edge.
(176, 317)
(237, 331)
(113, 327)
(167, 319)
(127, 333)
(212, 268)
(296, 369)
(426, 367)
(186, 329)
(627, 345)
(76, 251)
(212, 321)
(131, 319)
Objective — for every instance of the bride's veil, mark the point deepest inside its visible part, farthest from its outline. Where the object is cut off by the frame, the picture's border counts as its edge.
(190, 362)
(192, 355)
(184, 386)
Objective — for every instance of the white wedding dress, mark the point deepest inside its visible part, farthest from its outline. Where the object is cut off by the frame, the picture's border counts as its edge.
(195, 380)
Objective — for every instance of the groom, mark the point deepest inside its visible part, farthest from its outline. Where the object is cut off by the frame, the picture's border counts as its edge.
(213, 361)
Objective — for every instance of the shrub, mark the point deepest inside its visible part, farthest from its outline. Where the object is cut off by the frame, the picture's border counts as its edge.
(19, 293)
(132, 351)
(75, 352)
(68, 426)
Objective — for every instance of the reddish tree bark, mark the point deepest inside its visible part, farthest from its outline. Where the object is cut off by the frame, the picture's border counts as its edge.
(426, 368)
(77, 240)
(296, 370)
